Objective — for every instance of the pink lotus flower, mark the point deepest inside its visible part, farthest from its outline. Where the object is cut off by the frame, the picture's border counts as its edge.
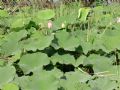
(50, 24)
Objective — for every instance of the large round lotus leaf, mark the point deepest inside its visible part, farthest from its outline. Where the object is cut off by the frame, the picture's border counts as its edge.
(16, 36)
(85, 42)
(37, 41)
(98, 44)
(111, 39)
(7, 74)
(4, 13)
(86, 46)
(98, 12)
(89, 41)
(10, 44)
(30, 62)
(63, 59)
(73, 85)
(19, 20)
(2, 62)
(40, 80)
(79, 60)
(64, 19)
(99, 63)
(75, 81)
(10, 86)
(78, 76)
(67, 41)
(103, 84)
(45, 14)
(114, 73)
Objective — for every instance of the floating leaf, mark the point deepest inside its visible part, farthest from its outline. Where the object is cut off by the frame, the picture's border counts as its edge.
(10, 45)
(31, 62)
(64, 21)
(80, 61)
(99, 63)
(7, 74)
(2, 62)
(103, 84)
(111, 40)
(67, 41)
(63, 59)
(45, 14)
(114, 73)
(10, 86)
(19, 22)
(3, 13)
(75, 81)
(40, 80)
(37, 41)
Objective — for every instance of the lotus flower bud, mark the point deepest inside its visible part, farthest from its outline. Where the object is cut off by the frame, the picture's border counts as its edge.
(118, 20)
(63, 25)
(50, 24)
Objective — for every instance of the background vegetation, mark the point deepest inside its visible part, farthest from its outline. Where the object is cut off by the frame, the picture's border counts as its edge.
(69, 47)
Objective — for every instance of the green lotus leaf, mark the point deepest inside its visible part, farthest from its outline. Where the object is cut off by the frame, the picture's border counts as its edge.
(88, 40)
(31, 62)
(103, 83)
(2, 62)
(20, 22)
(3, 13)
(111, 40)
(37, 41)
(114, 73)
(7, 74)
(67, 41)
(45, 14)
(10, 86)
(65, 19)
(78, 76)
(75, 81)
(99, 63)
(10, 44)
(98, 13)
(73, 85)
(63, 59)
(40, 80)
(80, 60)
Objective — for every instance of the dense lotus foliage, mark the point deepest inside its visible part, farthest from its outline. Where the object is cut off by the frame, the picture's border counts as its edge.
(67, 48)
